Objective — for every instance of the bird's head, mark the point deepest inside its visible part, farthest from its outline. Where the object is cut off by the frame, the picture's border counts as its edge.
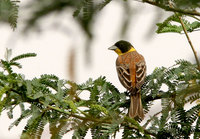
(122, 47)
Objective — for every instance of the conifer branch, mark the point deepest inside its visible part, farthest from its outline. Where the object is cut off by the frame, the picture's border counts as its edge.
(190, 42)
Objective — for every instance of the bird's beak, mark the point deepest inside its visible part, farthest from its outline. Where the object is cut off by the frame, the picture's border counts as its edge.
(112, 47)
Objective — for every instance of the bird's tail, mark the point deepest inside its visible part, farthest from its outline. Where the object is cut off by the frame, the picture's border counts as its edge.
(136, 108)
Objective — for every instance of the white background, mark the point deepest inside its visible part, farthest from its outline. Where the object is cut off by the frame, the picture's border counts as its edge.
(52, 47)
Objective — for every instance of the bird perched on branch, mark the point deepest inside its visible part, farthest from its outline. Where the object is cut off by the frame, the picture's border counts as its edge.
(131, 69)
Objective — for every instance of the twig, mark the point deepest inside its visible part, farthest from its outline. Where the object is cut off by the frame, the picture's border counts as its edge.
(94, 120)
(195, 17)
(136, 128)
(176, 10)
(167, 8)
(190, 42)
(150, 119)
(77, 116)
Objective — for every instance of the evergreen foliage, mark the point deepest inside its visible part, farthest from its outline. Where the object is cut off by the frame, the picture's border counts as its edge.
(85, 12)
(9, 12)
(50, 100)
(169, 25)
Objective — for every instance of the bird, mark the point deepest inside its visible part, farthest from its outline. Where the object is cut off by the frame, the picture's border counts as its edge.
(131, 70)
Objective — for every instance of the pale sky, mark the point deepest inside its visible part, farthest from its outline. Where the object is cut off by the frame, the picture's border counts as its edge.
(52, 48)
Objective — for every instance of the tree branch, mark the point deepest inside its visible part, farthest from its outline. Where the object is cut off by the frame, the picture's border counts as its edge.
(190, 42)
(167, 8)
(136, 128)
(195, 17)
(77, 116)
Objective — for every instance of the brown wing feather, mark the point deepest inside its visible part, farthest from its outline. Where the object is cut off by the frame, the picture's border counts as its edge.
(131, 67)
(123, 70)
(124, 76)
(140, 74)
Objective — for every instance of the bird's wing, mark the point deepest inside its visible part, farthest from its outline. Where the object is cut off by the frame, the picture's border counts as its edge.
(124, 76)
(140, 73)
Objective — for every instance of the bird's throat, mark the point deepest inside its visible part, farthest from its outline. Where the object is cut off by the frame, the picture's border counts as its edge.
(119, 52)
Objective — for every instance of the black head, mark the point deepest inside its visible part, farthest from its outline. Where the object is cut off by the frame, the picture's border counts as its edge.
(124, 46)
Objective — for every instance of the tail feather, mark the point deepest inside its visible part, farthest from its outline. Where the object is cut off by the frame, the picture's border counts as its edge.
(136, 108)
